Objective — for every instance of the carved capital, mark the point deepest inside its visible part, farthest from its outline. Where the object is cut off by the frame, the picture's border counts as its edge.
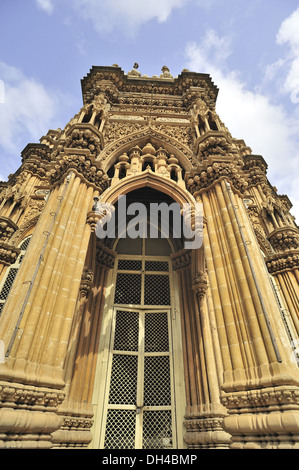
(199, 284)
(86, 282)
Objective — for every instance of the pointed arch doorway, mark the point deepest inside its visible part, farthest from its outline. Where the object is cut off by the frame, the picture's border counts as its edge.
(139, 397)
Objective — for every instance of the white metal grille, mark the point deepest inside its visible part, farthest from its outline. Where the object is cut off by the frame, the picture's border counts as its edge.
(156, 332)
(157, 390)
(126, 331)
(8, 283)
(130, 265)
(156, 289)
(157, 430)
(140, 395)
(128, 289)
(156, 266)
(11, 274)
(123, 385)
(120, 429)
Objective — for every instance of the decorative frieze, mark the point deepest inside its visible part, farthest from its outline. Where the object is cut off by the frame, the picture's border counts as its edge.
(19, 394)
(267, 397)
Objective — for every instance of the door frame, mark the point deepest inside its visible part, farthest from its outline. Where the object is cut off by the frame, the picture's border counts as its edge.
(103, 354)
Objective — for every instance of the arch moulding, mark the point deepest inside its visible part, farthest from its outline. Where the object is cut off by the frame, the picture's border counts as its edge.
(147, 179)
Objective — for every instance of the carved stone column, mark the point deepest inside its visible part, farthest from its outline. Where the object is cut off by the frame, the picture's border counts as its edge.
(257, 365)
(204, 412)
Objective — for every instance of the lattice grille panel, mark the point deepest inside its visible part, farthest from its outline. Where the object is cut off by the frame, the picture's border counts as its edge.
(126, 331)
(120, 429)
(157, 390)
(157, 430)
(128, 289)
(123, 385)
(8, 283)
(156, 332)
(156, 265)
(156, 289)
(25, 244)
(129, 265)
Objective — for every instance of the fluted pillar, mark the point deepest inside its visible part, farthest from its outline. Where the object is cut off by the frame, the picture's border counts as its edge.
(258, 373)
(204, 411)
(38, 316)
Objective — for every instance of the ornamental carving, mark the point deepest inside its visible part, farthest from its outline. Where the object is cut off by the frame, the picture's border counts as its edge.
(214, 146)
(83, 165)
(30, 396)
(182, 134)
(199, 284)
(287, 261)
(181, 260)
(265, 397)
(8, 253)
(7, 228)
(284, 238)
(104, 256)
(117, 130)
(83, 139)
(214, 172)
(86, 281)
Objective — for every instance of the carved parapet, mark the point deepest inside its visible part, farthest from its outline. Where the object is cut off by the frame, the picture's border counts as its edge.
(284, 238)
(8, 253)
(283, 262)
(7, 228)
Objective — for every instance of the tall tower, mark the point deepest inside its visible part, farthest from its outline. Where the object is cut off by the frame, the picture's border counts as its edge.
(122, 342)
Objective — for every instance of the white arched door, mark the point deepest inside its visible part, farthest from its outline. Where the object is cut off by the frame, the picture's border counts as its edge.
(143, 378)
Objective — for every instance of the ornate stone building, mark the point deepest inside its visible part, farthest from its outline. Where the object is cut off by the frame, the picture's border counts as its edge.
(143, 343)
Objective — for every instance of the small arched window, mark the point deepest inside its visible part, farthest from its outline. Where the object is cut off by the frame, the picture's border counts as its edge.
(9, 278)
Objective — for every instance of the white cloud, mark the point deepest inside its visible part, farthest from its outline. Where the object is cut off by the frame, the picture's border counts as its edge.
(45, 5)
(288, 35)
(29, 110)
(126, 14)
(251, 115)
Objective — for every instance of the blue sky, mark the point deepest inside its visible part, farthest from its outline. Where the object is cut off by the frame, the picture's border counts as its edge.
(249, 47)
